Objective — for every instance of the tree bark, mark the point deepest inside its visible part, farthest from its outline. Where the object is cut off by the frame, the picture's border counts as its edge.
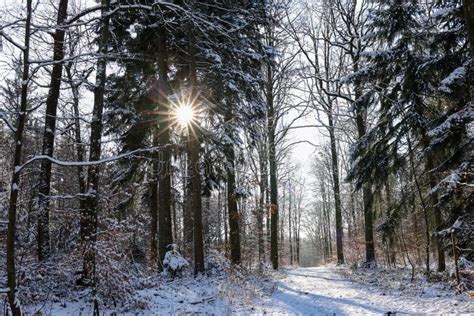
(89, 216)
(233, 212)
(437, 217)
(188, 229)
(273, 194)
(194, 148)
(367, 195)
(81, 176)
(337, 195)
(154, 203)
(164, 172)
(261, 211)
(49, 134)
(12, 207)
(289, 223)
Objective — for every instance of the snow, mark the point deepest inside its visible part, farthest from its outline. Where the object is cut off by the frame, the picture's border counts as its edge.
(444, 11)
(173, 261)
(328, 290)
(298, 291)
(455, 76)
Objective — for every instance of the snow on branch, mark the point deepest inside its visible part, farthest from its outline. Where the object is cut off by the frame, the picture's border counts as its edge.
(83, 163)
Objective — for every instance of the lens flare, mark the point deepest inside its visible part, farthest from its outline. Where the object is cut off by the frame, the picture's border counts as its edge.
(184, 115)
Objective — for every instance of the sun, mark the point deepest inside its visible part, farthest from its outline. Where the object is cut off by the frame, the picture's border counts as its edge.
(184, 114)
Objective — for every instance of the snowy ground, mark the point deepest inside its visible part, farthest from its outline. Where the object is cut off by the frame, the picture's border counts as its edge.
(299, 291)
(329, 290)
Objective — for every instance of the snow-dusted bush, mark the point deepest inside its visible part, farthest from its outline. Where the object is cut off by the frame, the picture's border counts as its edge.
(216, 263)
(118, 272)
(174, 264)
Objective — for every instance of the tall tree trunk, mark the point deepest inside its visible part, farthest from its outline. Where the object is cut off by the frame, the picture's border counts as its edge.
(12, 207)
(267, 201)
(188, 229)
(325, 222)
(423, 205)
(89, 216)
(226, 221)
(154, 202)
(391, 236)
(49, 134)
(194, 145)
(164, 174)
(367, 195)
(437, 216)
(273, 194)
(81, 176)
(219, 218)
(261, 212)
(337, 195)
(233, 212)
(289, 224)
(194, 148)
(298, 239)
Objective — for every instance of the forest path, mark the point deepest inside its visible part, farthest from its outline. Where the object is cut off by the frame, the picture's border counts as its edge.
(324, 290)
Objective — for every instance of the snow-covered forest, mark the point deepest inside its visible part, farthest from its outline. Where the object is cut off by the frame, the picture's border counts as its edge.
(236, 157)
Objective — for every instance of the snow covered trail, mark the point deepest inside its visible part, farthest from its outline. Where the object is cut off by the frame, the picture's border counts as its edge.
(323, 290)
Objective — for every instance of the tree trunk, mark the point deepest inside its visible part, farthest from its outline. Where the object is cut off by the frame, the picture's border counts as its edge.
(261, 212)
(194, 148)
(188, 229)
(391, 236)
(225, 219)
(49, 135)
(367, 195)
(423, 205)
(164, 174)
(337, 195)
(289, 224)
(154, 203)
(219, 218)
(273, 198)
(89, 216)
(15, 306)
(81, 176)
(233, 212)
(437, 216)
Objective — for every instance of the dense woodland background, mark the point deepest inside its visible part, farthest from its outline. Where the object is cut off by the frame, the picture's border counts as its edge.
(98, 176)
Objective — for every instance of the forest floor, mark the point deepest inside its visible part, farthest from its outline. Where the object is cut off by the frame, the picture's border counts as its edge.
(330, 290)
(324, 290)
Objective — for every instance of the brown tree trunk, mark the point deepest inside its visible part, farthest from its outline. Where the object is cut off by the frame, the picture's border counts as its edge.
(194, 148)
(89, 216)
(164, 172)
(261, 212)
(273, 193)
(49, 134)
(188, 229)
(81, 176)
(290, 241)
(154, 203)
(337, 195)
(233, 212)
(12, 207)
